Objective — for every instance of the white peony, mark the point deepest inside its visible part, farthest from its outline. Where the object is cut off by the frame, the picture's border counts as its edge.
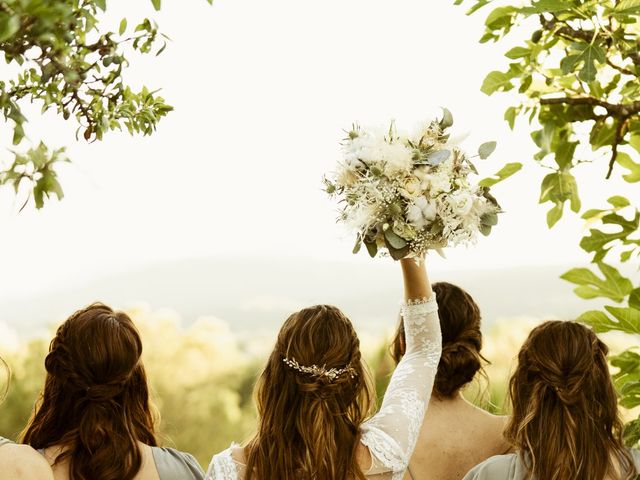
(421, 212)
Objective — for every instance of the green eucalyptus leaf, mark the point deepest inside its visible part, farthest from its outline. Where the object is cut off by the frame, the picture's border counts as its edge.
(486, 149)
(447, 119)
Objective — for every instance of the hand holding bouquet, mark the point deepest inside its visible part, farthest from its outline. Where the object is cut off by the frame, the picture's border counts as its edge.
(411, 193)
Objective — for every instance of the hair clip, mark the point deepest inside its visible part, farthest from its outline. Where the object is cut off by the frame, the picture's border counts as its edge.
(316, 371)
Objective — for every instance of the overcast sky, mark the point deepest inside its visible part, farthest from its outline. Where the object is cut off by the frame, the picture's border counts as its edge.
(262, 90)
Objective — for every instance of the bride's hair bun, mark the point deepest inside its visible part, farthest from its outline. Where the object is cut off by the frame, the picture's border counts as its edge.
(461, 359)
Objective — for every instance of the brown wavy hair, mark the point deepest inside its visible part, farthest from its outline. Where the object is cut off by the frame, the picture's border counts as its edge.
(565, 413)
(95, 402)
(461, 359)
(309, 426)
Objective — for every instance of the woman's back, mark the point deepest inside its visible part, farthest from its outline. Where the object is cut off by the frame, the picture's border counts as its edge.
(512, 467)
(455, 437)
(21, 462)
(157, 464)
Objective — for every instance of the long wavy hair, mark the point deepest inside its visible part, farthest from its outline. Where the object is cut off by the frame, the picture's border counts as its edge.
(95, 403)
(309, 425)
(460, 322)
(565, 418)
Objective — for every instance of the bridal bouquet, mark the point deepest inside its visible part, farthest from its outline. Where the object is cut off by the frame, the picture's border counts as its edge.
(411, 193)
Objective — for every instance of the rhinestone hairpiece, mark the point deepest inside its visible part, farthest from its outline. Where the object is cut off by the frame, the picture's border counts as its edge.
(316, 371)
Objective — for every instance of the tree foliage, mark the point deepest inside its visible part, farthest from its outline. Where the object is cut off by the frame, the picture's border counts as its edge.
(67, 62)
(578, 86)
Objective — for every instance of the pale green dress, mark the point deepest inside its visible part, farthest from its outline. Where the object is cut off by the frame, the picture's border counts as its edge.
(512, 467)
(170, 463)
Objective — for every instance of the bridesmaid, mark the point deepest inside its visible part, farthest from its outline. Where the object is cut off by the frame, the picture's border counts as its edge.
(314, 396)
(565, 423)
(94, 419)
(21, 462)
(455, 435)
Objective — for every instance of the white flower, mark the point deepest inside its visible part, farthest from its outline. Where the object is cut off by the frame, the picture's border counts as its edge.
(410, 186)
(362, 216)
(396, 156)
(439, 183)
(421, 212)
(461, 203)
(346, 176)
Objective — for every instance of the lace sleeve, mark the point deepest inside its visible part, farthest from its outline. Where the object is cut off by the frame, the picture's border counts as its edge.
(222, 467)
(391, 435)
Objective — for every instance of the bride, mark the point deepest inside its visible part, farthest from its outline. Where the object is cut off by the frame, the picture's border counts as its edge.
(314, 396)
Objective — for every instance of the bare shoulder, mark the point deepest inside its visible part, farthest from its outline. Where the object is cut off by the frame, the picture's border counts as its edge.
(363, 457)
(21, 462)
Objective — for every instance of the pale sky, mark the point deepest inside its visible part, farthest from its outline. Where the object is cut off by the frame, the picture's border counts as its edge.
(262, 91)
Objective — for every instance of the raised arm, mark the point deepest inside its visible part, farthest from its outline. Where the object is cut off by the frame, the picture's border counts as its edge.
(391, 435)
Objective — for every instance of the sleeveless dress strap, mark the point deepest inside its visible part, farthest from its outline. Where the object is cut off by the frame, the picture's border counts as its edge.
(175, 465)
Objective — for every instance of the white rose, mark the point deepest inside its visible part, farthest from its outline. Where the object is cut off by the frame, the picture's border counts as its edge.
(461, 203)
(411, 187)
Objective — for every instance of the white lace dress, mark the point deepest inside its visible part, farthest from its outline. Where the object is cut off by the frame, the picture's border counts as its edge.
(392, 433)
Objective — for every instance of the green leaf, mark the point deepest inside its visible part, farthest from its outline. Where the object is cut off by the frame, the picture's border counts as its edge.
(504, 173)
(598, 320)
(510, 116)
(634, 299)
(555, 214)
(157, 4)
(625, 161)
(591, 53)
(628, 318)
(123, 26)
(372, 248)
(619, 201)
(437, 157)
(627, 7)
(101, 4)
(9, 26)
(518, 52)
(486, 149)
(479, 4)
(551, 6)
(447, 119)
(356, 247)
(500, 18)
(614, 286)
(592, 213)
(489, 219)
(496, 81)
(395, 241)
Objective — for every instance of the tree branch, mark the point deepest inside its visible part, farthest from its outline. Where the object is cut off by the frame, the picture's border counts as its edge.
(620, 111)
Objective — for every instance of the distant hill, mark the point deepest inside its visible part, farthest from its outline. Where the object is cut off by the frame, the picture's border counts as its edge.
(252, 295)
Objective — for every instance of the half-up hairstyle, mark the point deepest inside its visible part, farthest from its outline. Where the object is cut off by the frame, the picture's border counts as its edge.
(312, 398)
(95, 403)
(565, 418)
(461, 359)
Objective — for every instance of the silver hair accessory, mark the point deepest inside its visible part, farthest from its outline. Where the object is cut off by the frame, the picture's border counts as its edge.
(316, 371)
